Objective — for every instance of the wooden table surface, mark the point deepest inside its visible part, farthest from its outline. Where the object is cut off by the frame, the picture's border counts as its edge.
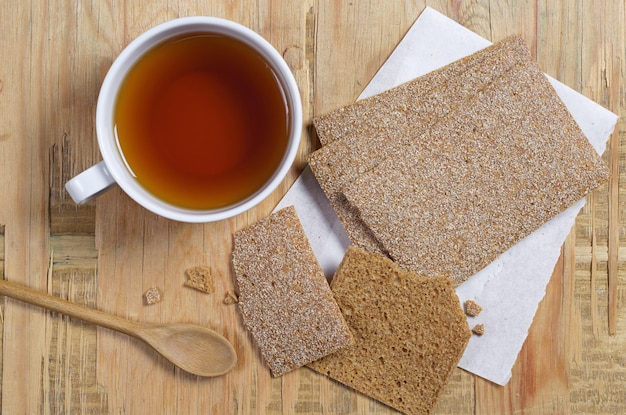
(54, 55)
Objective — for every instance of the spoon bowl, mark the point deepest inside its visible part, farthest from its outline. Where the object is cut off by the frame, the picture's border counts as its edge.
(193, 348)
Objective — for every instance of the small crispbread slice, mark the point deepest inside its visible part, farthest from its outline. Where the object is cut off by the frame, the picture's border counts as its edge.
(361, 135)
(410, 332)
(480, 180)
(284, 297)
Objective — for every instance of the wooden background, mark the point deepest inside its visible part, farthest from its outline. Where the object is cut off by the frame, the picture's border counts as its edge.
(53, 57)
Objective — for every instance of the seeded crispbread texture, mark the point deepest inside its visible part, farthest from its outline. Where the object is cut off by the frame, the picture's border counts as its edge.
(284, 297)
(410, 332)
(479, 180)
(361, 135)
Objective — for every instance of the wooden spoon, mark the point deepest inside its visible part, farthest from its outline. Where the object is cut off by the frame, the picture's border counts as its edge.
(191, 347)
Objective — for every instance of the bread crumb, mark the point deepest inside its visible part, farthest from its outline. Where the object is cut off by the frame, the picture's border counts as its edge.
(479, 329)
(200, 278)
(230, 298)
(472, 309)
(152, 296)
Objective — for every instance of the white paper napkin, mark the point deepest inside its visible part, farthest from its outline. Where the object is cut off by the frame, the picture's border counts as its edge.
(510, 288)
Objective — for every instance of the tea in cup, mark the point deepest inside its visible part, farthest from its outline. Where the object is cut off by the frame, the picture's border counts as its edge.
(198, 119)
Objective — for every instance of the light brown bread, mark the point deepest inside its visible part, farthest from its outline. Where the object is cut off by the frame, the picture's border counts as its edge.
(284, 297)
(410, 332)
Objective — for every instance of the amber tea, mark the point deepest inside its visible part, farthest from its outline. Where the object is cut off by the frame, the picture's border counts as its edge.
(202, 121)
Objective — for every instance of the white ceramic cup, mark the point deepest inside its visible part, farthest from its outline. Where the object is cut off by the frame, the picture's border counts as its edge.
(113, 170)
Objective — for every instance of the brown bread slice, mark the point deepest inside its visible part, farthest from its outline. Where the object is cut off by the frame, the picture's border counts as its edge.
(284, 297)
(410, 332)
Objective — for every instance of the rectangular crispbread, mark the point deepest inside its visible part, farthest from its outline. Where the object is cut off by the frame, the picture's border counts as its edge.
(480, 180)
(410, 332)
(284, 297)
(361, 135)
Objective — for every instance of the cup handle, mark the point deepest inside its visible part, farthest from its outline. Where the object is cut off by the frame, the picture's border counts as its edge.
(90, 183)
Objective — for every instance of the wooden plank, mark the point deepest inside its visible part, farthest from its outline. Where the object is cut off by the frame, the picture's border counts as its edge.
(42, 92)
(25, 108)
(69, 371)
(615, 104)
(67, 218)
(595, 357)
(1, 308)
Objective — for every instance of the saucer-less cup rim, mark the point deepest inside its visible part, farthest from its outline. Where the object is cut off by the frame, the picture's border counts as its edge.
(114, 169)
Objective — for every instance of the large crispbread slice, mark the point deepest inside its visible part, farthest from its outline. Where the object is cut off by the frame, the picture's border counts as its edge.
(479, 180)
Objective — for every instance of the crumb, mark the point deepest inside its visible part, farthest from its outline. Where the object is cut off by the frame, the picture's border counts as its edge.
(152, 296)
(200, 278)
(479, 329)
(472, 309)
(356, 138)
(230, 298)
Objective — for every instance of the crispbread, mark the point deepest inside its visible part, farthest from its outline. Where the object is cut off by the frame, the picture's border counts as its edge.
(479, 180)
(284, 297)
(410, 332)
(363, 134)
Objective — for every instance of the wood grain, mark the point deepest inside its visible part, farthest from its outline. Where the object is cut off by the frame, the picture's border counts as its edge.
(106, 254)
(1, 307)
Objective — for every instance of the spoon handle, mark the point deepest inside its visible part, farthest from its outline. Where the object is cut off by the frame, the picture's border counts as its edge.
(90, 315)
